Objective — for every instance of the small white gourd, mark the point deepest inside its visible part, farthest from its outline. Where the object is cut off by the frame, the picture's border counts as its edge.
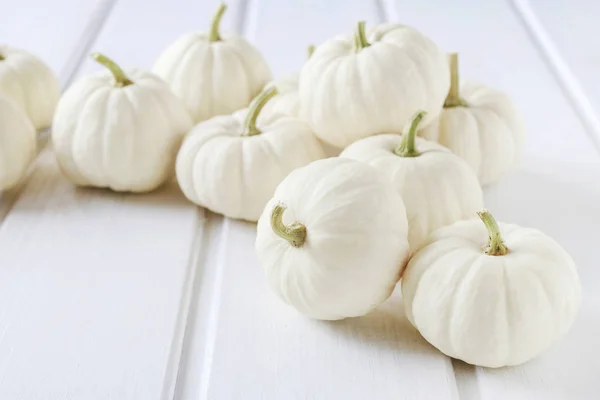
(354, 87)
(29, 82)
(480, 125)
(332, 240)
(495, 304)
(232, 164)
(213, 73)
(17, 143)
(286, 100)
(437, 187)
(118, 131)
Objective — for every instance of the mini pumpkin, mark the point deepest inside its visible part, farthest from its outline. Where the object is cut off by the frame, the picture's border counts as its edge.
(29, 82)
(232, 164)
(480, 125)
(286, 101)
(332, 240)
(373, 82)
(438, 187)
(17, 143)
(213, 73)
(119, 131)
(491, 294)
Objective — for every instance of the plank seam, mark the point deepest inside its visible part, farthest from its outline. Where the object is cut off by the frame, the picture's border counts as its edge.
(559, 68)
(213, 317)
(191, 285)
(88, 38)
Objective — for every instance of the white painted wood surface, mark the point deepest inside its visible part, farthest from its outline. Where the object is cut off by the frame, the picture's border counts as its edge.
(111, 296)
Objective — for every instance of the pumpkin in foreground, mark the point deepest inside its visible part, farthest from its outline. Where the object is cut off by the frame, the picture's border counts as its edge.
(480, 125)
(333, 239)
(18, 143)
(119, 131)
(232, 164)
(372, 82)
(496, 304)
(438, 188)
(30, 83)
(213, 73)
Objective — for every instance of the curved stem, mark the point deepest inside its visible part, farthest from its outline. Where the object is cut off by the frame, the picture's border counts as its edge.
(256, 106)
(453, 99)
(121, 79)
(360, 37)
(214, 35)
(495, 246)
(311, 50)
(407, 147)
(294, 233)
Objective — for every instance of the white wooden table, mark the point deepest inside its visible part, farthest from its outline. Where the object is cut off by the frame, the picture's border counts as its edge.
(113, 296)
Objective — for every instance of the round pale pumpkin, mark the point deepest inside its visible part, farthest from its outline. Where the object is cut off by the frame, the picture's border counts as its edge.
(213, 73)
(17, 143)
(332, 240)
(438, 188)
(491, 294)
(480, 125)
(30, 83)
(232, 164)
(118, 131)
(372, 82)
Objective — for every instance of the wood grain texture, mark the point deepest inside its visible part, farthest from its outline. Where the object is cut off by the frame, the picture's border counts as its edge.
(550, 191)
(256, 347)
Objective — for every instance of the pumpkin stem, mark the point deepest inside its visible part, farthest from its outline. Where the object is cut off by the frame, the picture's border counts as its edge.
(311, 50)
(294, 233)
(121, 79)
(495, 245)
(360, 37)
(407, 147)
(256, 106)
(2, 57)
(214, 35)
(453, 99)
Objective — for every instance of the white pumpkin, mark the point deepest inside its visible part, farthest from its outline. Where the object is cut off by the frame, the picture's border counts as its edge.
(119, 131)
(286, 100)
(374, 82)
(232, 164)
(481, 125)
(438, 188)
(17, 143)
(492, 305)
(213, 73)
(332, 240)
(30, 83)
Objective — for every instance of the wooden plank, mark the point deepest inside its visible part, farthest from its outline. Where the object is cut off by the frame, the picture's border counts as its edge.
(255, 347)
(95, 286)
(564, 32)
(549, 192)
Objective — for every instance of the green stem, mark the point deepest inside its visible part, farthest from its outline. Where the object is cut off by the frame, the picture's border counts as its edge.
(453, 99)
(408, 147)
(495, 245)
(214, 35)
(256, 106)
(360, 37)
(311, 50)
(121, 79)
(294, 233)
